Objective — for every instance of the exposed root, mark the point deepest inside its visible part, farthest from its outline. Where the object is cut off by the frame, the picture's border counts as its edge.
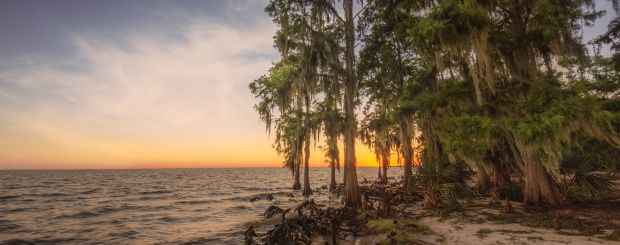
(312, 219)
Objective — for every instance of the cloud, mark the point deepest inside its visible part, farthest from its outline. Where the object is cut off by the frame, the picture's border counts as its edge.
(116, 96)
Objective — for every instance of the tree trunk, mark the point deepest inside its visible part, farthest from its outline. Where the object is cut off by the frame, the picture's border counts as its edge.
(333, 155)
(332, 181)
(538, 186)
(307, 191)
(297, 182)
(385, 158)
(482, 180)
(501, 177)
(380, 175)
(352, 194)
(407, 151)
(344, 175)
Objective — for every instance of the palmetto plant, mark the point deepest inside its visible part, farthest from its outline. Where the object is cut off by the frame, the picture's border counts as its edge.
(438, 179)
(583, 177)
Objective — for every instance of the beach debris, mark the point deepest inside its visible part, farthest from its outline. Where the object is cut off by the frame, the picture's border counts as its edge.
(254, 198)
(311, 219)
(507, 209)
(274, 210)
(267, 196)
(249, 236)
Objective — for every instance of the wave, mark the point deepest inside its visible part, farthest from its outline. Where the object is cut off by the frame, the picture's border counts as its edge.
(126, 234)
(82, 214)
(102, 207)
(21, 209)
(168, 219)
(155, 192)
(8, 197)
(96, 212)
(53, 194)
(261, 196)
(91, 191)
(236, 208)
(38, 241)
(198, 202)
(6, 226)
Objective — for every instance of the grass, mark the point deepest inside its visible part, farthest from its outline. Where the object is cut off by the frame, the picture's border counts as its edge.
(547, 221)
(381, 225)
(417, 227)
(483, 233)
(401, 231)
(535, 238)
(505, 231)
(405, 238)
(366, 214)
(614, 236)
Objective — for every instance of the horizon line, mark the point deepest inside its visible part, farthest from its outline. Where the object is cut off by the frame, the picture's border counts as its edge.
(87, 169)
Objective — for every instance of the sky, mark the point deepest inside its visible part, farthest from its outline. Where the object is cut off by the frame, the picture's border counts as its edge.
(133, 84)
(92, 84)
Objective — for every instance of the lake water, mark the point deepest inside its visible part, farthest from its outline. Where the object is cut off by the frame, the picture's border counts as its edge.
(199, 206)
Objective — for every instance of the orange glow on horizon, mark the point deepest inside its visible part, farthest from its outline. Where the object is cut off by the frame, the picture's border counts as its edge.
(158, 155)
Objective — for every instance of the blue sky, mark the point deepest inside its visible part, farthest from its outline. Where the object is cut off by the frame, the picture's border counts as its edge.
(118, 84)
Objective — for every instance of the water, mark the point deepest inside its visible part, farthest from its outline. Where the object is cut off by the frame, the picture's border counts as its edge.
(203, 206)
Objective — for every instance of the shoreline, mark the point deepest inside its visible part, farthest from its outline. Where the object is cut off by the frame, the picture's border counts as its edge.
(477, 220)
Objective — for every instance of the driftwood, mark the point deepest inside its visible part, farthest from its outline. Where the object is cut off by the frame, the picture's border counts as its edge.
(312, 219)
(267, 197)
(508, 209)
(249, 236)
(273, 210)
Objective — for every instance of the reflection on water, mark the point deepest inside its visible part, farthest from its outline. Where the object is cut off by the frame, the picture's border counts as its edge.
(143, 206)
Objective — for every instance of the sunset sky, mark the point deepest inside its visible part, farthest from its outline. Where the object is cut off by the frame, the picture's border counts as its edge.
(137, 84)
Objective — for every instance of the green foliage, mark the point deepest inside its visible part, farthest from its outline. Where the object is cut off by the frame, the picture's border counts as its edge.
(441, 179)
(539, 128)
(468, 135)
(588, 173)
(449, 22)
(381, 225)
(483, 233)
(495, 85)
(400, 231)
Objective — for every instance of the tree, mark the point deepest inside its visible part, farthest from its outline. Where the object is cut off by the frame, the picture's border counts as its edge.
(304, 29)
(385, 68)
(495, 99)
(378, 133)
(276, 93)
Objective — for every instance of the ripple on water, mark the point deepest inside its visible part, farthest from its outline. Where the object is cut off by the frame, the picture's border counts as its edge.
(41, 241)
(198, 202)
(97, 211)
(168, 219)
(128, 234)
(199, 206)
(8, 197)
(7, 226)
(91, 191)
(156, 192)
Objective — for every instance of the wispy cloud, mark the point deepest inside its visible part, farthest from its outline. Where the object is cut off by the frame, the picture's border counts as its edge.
(116, 96)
